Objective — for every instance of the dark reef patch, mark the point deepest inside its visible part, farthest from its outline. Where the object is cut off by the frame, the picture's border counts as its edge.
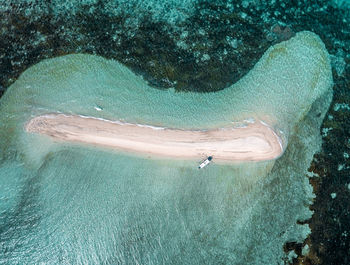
(214, 47)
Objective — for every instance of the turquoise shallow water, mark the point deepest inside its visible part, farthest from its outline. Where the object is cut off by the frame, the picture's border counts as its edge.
(74, 204)
(279, 90)
(118, 209)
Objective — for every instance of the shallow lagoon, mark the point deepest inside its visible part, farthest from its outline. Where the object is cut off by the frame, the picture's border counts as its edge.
(64, 203)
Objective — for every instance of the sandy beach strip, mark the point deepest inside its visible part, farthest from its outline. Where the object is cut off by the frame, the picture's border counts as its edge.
(255, 142)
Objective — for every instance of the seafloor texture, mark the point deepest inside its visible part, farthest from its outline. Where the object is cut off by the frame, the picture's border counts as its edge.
(94, 206)
(192, 46)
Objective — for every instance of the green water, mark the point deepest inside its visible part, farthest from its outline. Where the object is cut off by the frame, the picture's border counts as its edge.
(75, 204)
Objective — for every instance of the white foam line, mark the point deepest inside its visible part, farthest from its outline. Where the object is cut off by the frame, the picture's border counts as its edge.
(273, 131)
(278, 138)
(250, 120)
(124, 138)
(110, 121)
(264, 123)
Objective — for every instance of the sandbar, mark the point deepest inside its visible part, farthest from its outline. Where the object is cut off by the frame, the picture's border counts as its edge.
(254, 142)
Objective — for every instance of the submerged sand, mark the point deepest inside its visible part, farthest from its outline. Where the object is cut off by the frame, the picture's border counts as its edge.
(254, 142)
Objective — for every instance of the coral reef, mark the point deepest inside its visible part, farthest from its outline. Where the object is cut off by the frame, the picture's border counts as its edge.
(207, 47)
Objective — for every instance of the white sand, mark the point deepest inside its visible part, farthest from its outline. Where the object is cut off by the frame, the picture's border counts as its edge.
(252, 143)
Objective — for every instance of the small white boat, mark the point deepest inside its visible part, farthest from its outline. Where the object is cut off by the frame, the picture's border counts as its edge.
(205, 162)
